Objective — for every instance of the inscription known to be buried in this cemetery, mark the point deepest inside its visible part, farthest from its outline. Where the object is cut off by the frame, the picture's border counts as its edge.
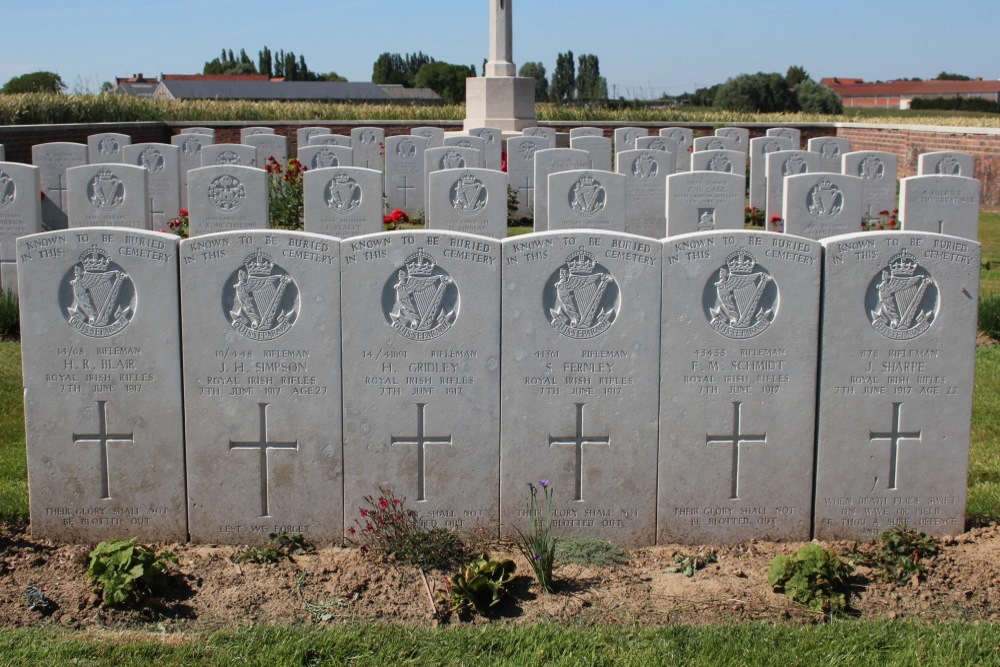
(421, 357)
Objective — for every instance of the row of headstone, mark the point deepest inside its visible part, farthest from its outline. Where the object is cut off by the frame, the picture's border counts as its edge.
(666, 389)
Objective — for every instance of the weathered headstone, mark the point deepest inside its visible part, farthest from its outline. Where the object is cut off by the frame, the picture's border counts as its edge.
(107, 147)
(53, 159)
(108, 195)
(521, 170)
(582, 382)
(20, 214)
(227, 198)
(790, 133)
(342, 201)
(421, 350)
(821, 204)
(759, 149)
(240, 155)
(684, 137)
(585, 132)
(779, 166)
(831, 151)
(468, 141)
(668, 144)
(896, 376)
(940, 204)
(369, 147)
(946, 163)
(716, 143)
(199, 130)
(162, 161)
(320, 157)
(269, 147)
(262, 386)
(102, 385)
(190, 145)
(645, 175)
(330, 140)
(549, 161)
(468, 200)
(493, 148)
(587, 199)
(449, 157)
(740, 135)
(625, 138)
(253, 132)
(599, 148)
(547, 132)
(704, 201)
(405, 185)
(878, 170)
(740, 318)
(433, 135)
(723, 161)
(304, 134)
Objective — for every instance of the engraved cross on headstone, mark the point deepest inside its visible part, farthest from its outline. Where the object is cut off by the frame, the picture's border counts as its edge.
(263, 445)
(940, 226)
(103, 438)
(735, 439)
(61, 189)
(420, 439)
(894, 436)
(153, 212)
(578, 440)
(406, 187)
(529, 191)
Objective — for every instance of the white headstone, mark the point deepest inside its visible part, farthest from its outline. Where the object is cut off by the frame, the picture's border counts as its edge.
(468, 200)
(787, 133)
(468, 141)
(421, 351)
(585, 132)
(587, 199)
(940, 204)
(227, 198)
(320, 157)
(162, 161)
(896, 377)
(107, 147)
(831, 151)
(549, 161)
(269, 147)
(108, 195)
(342, 201)
(946, 163)
(199, 130)
(878, 170)
(304, 134)
(449, 157)
(716, 143)
(240, 155)
(190, 145)
(740, 321)
(253, 132)
(625, 138)
(700, 201)
(668, 144)
(759, 149)
(740, 135)
(599, 148)
(369, 147)
(262, 387)
(493, 146)
(433, 135)
(723, 161)
(53, 159)
(581, 382)
(780, 165)
(645, 175)
(547, 132)
(521, 170)
(405, 187)
(685, 141)
(20, 214)
(818, 205)
(100, 346)
(330, 140)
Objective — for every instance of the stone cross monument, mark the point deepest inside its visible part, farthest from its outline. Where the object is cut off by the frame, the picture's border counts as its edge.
(500, 99)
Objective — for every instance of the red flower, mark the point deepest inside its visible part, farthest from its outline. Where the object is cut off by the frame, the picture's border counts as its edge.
(267, 168)
(396, 501)
(364, 512)
(351, 530)
(398, 215)
(503, 161)
(775, 218)
(383, 503)
(184, 212)
(886, 213)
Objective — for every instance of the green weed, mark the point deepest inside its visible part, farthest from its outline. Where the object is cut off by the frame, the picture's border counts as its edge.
(128, 572)
(812, 576)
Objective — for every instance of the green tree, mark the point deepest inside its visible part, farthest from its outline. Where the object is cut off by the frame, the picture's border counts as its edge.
(755, 93)
(951, 76)
(814, 97)
(564, 78)
(107, 87)
(446, 80)
(35, 82)
(393, 68)
(264, 63)
(331, 76)
(536, 71)
(590, 85)
(796, 74)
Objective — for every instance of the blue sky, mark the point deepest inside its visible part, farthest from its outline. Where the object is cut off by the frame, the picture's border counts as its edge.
(645, 47)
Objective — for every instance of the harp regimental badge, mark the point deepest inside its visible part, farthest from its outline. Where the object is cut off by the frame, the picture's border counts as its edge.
(948, 166)
(587, 196)
(426, 299)
(745, 297)
(907, 299)
(343, 194)
(645, 166)
(105, 191)
(191, 146)
(103, 295)
(406, 149)
(825, 200)
(452, 160)
(871, 168)
(468, 195)
(8, 191)
(325, 158)
(152, 159)
(263, 302)
(720, 163)
(108, 146)
(587, 299)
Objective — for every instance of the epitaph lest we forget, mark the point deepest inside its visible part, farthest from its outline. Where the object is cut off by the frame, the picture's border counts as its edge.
(102, 384)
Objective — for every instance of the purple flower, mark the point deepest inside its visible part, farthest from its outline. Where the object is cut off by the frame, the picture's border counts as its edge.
(544, 483)
(538, 558)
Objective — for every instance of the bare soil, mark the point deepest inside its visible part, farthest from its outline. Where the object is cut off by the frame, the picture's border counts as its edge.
(335, 585)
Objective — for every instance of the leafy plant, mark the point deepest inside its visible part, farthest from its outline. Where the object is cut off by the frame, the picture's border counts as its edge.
(512, 202)
(753, 217)
(10, 314)
(899, 555)
(180, 225)
(480, 584)
(280, 546)
(589, 551)
(688, 564)
(319, 612)
(285, 194)
(38, 600)
(538, 546)
(125, 571)
(812, 576)
(386, 528)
